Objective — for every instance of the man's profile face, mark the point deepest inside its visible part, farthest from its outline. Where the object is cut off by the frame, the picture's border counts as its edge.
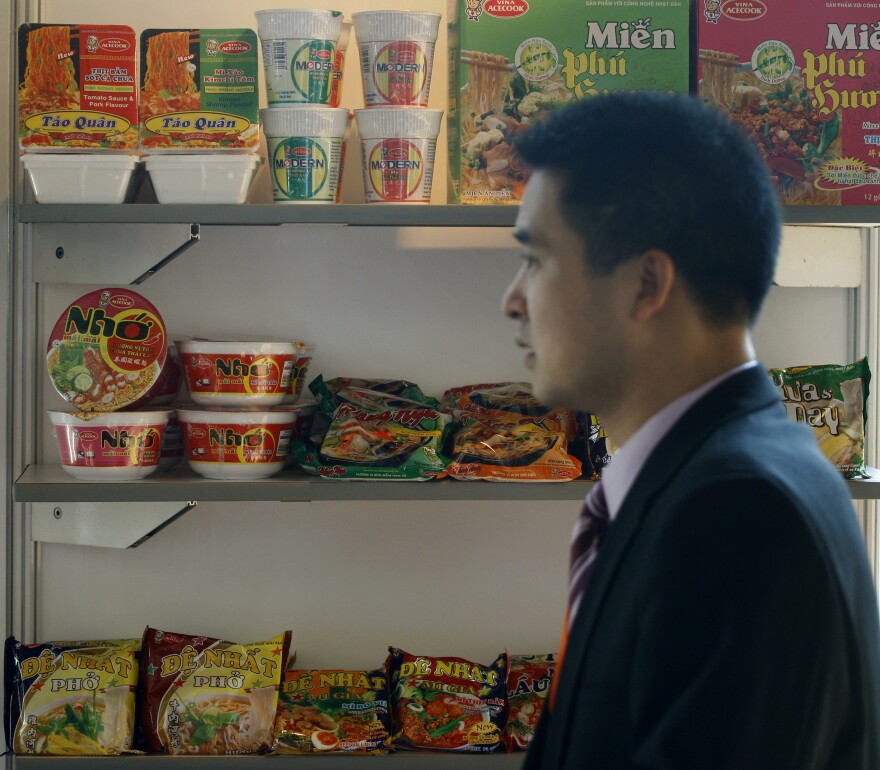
(571, 319)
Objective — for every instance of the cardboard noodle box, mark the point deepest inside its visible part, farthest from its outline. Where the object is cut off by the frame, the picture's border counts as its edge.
(77, 87)
(803, 77)
(199, 90)
(511, 61)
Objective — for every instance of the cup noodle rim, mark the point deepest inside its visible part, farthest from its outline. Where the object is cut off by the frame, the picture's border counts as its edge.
(299, 24)
(389, 26)
(398, 122)
(312, 120)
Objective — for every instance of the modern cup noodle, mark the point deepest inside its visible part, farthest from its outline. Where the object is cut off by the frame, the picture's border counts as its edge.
(339, 64)
(305, 146)
(77, 87)
(397, 55)
(299, 54)
(107, 350)
(120, 446)
(237, 444)
(199, 90)
(398, 146)
(243, 373)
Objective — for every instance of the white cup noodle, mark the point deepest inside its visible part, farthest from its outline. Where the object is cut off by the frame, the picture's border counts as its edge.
(299, 23)
(398, 123)
(304, 120)
(381, 26)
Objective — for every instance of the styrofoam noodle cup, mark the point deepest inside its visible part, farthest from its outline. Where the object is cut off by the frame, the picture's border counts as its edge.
(305, 145)
(235, 444)
(397, 56)
(398, 147)
(118, 446)
(299, 54)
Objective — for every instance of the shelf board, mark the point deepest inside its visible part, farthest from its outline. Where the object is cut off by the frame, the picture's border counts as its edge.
(422, 760)
(52, 484)
(393, 215)
(386, 215)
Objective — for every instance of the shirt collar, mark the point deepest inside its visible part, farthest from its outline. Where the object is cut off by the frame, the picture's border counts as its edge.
(621, 472)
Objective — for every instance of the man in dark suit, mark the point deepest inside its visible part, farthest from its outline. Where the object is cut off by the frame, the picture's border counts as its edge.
(722, 613)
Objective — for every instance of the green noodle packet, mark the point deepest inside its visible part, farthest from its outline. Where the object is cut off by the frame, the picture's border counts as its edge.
(832, 400)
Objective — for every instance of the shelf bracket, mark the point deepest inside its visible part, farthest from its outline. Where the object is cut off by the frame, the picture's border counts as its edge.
(195, 233)
(107, 525)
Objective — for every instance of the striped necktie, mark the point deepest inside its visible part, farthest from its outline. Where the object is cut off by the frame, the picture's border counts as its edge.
(585, 541)
(586, 538)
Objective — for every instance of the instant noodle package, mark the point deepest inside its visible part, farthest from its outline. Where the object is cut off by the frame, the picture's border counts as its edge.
(71, 698)
(832, 400)
(528, 685)
(206, 696)
(511, 62)
(801, 76)
(333, 711)
(77, 87)
(380, 431)
(199, 90)
(503, 433)
(447, 704)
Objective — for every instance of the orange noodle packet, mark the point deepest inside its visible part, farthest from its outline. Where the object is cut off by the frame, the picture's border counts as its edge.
(528, 685)
(447, 704)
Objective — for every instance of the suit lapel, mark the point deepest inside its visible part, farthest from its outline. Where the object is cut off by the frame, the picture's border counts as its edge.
(745, 392)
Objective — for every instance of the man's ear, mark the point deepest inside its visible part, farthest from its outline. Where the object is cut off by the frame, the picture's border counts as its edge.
(654, 275)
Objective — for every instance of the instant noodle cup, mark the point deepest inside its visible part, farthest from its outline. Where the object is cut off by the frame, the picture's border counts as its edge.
(339, 64)
(119, 446)
(398, 147)
(231, 444)
(397, 54)
(245, 373)
(107, 350)
(305, 146)
(299, 54)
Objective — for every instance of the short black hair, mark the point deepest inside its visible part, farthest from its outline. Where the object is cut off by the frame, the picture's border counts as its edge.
(644, 170)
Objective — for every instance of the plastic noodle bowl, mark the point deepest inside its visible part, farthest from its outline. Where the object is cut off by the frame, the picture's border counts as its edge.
(299, 54)
(398, 147)
(237, 445)
(397, 56)
(305, 146)
(117, 446)
(79, 178)
(243, 374)
(208, 178)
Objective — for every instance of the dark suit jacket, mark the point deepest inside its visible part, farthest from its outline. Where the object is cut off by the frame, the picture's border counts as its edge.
(730, 621)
